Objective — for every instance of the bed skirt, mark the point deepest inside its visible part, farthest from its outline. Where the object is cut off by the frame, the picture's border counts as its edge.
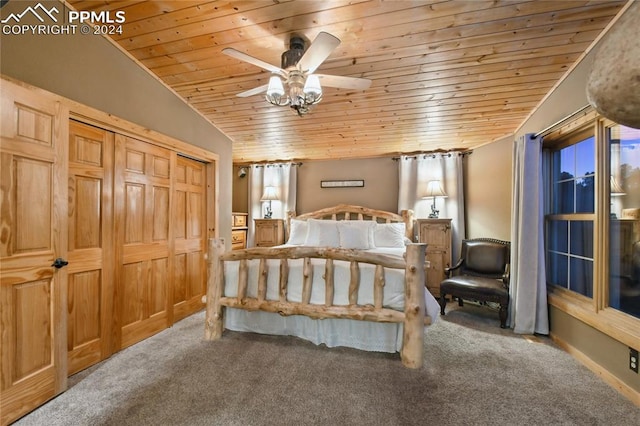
(363, 335)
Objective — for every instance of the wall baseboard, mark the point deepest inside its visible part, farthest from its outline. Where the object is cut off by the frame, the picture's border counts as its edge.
(596, 368)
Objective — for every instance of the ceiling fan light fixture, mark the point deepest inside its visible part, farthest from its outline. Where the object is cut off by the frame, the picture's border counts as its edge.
(298, 91)
(301, 88)
(295, 86)
(312, 89)
(275, 92)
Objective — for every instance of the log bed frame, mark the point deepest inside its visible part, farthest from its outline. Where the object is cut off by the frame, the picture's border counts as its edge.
(413, 316)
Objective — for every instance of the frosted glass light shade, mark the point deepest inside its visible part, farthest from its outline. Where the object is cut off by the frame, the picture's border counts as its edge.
(275, 86)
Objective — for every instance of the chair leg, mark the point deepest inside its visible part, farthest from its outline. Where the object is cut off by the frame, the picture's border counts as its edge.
(443, 303)
(503, 315)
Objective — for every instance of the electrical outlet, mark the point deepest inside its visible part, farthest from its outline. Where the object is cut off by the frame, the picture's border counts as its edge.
(633, 359)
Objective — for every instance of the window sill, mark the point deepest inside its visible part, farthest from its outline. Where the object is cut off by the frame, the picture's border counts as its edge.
(615, 324)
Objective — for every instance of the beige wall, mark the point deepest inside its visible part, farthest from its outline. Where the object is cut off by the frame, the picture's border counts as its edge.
(240, 191)
(92, 71)
(601, 349)
(380, 189)
(487, 191)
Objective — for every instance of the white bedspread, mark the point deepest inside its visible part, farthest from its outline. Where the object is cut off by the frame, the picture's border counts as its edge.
(363, 335)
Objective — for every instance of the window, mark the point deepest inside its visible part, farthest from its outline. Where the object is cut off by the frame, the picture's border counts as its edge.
(592, 223)
(570, 224)
(624, 219)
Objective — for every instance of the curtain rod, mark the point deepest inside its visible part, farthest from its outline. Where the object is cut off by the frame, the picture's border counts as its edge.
(276, 164)
(434, 153)
(548, 129)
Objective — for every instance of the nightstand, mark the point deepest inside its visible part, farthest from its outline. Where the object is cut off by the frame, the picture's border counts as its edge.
(436, 233)
(269, 232)
(239, 231)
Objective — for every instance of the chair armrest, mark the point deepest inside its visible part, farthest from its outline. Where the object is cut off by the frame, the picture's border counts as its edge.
(447, 271)
(505, 275)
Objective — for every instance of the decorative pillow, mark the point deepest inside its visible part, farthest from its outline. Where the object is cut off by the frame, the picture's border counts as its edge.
(297, 231)
(322, 233)
(389, 235)
(356, 234)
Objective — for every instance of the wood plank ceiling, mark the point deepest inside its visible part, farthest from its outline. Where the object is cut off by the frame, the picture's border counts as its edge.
(446, 74)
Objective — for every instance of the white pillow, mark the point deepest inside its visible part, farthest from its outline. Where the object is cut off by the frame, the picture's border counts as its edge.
(322, 233)
(389, 235)
(297, 231)
(356, 234)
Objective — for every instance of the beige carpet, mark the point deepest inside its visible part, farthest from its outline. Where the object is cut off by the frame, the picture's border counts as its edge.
(474, 374)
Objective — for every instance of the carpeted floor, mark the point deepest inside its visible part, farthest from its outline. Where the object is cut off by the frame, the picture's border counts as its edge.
(475, 374)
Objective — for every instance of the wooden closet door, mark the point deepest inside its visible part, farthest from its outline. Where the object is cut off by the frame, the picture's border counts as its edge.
(33, 206)
(91, 264)
(189, 231)
(142, 201)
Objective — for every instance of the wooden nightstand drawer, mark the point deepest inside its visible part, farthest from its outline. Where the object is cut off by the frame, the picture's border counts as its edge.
(239, 220)
(238, 239)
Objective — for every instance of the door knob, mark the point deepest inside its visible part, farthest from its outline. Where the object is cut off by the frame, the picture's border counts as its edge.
(60, 263)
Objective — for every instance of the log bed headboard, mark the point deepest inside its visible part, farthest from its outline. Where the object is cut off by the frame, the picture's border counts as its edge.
(353, 212)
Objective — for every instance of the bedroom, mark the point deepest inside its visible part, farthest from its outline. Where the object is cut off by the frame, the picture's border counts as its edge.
(102, 77)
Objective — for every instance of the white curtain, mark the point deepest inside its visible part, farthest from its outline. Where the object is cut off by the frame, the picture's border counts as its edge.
(415, 173)
(282, 176)
(528, 290)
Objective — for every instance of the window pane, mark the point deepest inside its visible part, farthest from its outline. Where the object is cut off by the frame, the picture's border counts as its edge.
(624, 224)
(558, 236)
(563, 197)
(567, 163)
(585, 157)
(585, 190)
(558, 269)
(581, 276)
(582, 238)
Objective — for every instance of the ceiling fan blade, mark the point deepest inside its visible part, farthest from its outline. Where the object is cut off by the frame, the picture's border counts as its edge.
(253, 91)
(250, 59)
(319, 50)
(344, 82)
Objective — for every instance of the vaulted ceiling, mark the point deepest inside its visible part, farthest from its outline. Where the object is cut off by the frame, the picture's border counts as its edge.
(445, 74)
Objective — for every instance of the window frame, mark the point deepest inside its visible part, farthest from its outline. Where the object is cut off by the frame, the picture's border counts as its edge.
(594, 311)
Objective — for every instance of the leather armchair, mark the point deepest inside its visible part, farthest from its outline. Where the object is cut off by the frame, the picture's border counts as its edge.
(481, 274)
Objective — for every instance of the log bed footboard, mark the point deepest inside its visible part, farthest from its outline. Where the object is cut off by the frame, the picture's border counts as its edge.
(413, 316)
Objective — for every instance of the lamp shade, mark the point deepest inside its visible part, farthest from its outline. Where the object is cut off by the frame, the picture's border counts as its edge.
(312, 86)
(275, 86)
(434, 189)
(270, 194)
(616, 189)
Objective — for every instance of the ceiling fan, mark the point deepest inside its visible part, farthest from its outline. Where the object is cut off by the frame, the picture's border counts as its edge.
(303, 87)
